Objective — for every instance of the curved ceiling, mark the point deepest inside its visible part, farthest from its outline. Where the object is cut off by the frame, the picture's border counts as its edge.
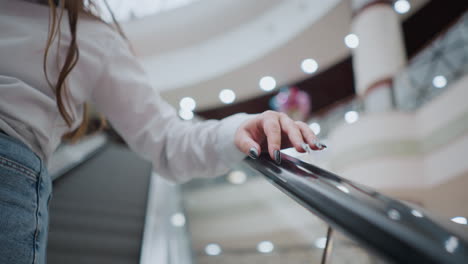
(210, 45)
(191, 25)
(191, 50)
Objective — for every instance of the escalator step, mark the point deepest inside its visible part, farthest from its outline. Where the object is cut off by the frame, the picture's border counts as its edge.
(98, 210)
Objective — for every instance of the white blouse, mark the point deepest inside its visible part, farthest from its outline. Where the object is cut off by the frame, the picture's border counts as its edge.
(108, 75)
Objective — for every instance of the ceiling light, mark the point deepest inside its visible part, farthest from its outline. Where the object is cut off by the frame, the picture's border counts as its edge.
(178, 219)
(267, 83)
(309, 66)
(265, 247)
(213, 249)
(439, 81)
(237, 177)
(186, 114)
(402, 6)
(321, 242)
(315, 127)
(227, 96)
(187, 103)
(460, 220)
(351, 41)
(351, 117)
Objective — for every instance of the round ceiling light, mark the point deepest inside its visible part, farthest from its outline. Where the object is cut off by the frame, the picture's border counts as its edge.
(237, 177)
(439, 81)
(213, 249)
(265, 247)
(267, 83)
(309, 66)
(188, 103)
(178, 219)
(351, 41)
(351, 117)
(186, 114)
(402, 6)
(321, 242)
(227, 96)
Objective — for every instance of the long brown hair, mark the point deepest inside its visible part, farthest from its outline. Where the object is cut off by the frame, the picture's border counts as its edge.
(74, 9)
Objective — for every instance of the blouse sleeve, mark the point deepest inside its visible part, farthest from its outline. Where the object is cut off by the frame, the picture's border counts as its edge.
(179, 150)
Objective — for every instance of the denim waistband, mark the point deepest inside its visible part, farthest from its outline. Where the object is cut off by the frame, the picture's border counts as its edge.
(15, 150)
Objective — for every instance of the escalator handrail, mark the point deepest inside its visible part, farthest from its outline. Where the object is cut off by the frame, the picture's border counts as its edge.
(395, 230)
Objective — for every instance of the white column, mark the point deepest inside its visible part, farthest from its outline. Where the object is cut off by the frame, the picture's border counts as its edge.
(380, 54)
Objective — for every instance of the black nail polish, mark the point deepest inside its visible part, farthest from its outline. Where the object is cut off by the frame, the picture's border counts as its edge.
(320, 145)
(277, 154)
(253, 153)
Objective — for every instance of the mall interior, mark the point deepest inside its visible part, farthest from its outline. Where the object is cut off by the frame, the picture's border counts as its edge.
(383, 83)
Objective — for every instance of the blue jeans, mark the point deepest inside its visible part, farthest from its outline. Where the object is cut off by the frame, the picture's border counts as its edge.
(25, 191)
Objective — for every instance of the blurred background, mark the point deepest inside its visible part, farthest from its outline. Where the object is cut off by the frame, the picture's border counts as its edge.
(383, 84)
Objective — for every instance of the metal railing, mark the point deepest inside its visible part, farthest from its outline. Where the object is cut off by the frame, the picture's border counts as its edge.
(399, 232)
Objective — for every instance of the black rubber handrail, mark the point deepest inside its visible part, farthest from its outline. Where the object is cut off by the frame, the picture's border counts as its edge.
(397, 231)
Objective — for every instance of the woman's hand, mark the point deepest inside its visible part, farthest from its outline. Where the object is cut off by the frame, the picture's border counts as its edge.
(272, 131)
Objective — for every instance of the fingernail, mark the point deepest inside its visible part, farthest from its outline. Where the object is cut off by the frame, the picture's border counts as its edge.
(306, 147)
(253, 153)
(277, 154)
(319, 145)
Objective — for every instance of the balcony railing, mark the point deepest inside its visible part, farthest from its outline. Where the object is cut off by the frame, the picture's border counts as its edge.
(425, 77)
(443, 62)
